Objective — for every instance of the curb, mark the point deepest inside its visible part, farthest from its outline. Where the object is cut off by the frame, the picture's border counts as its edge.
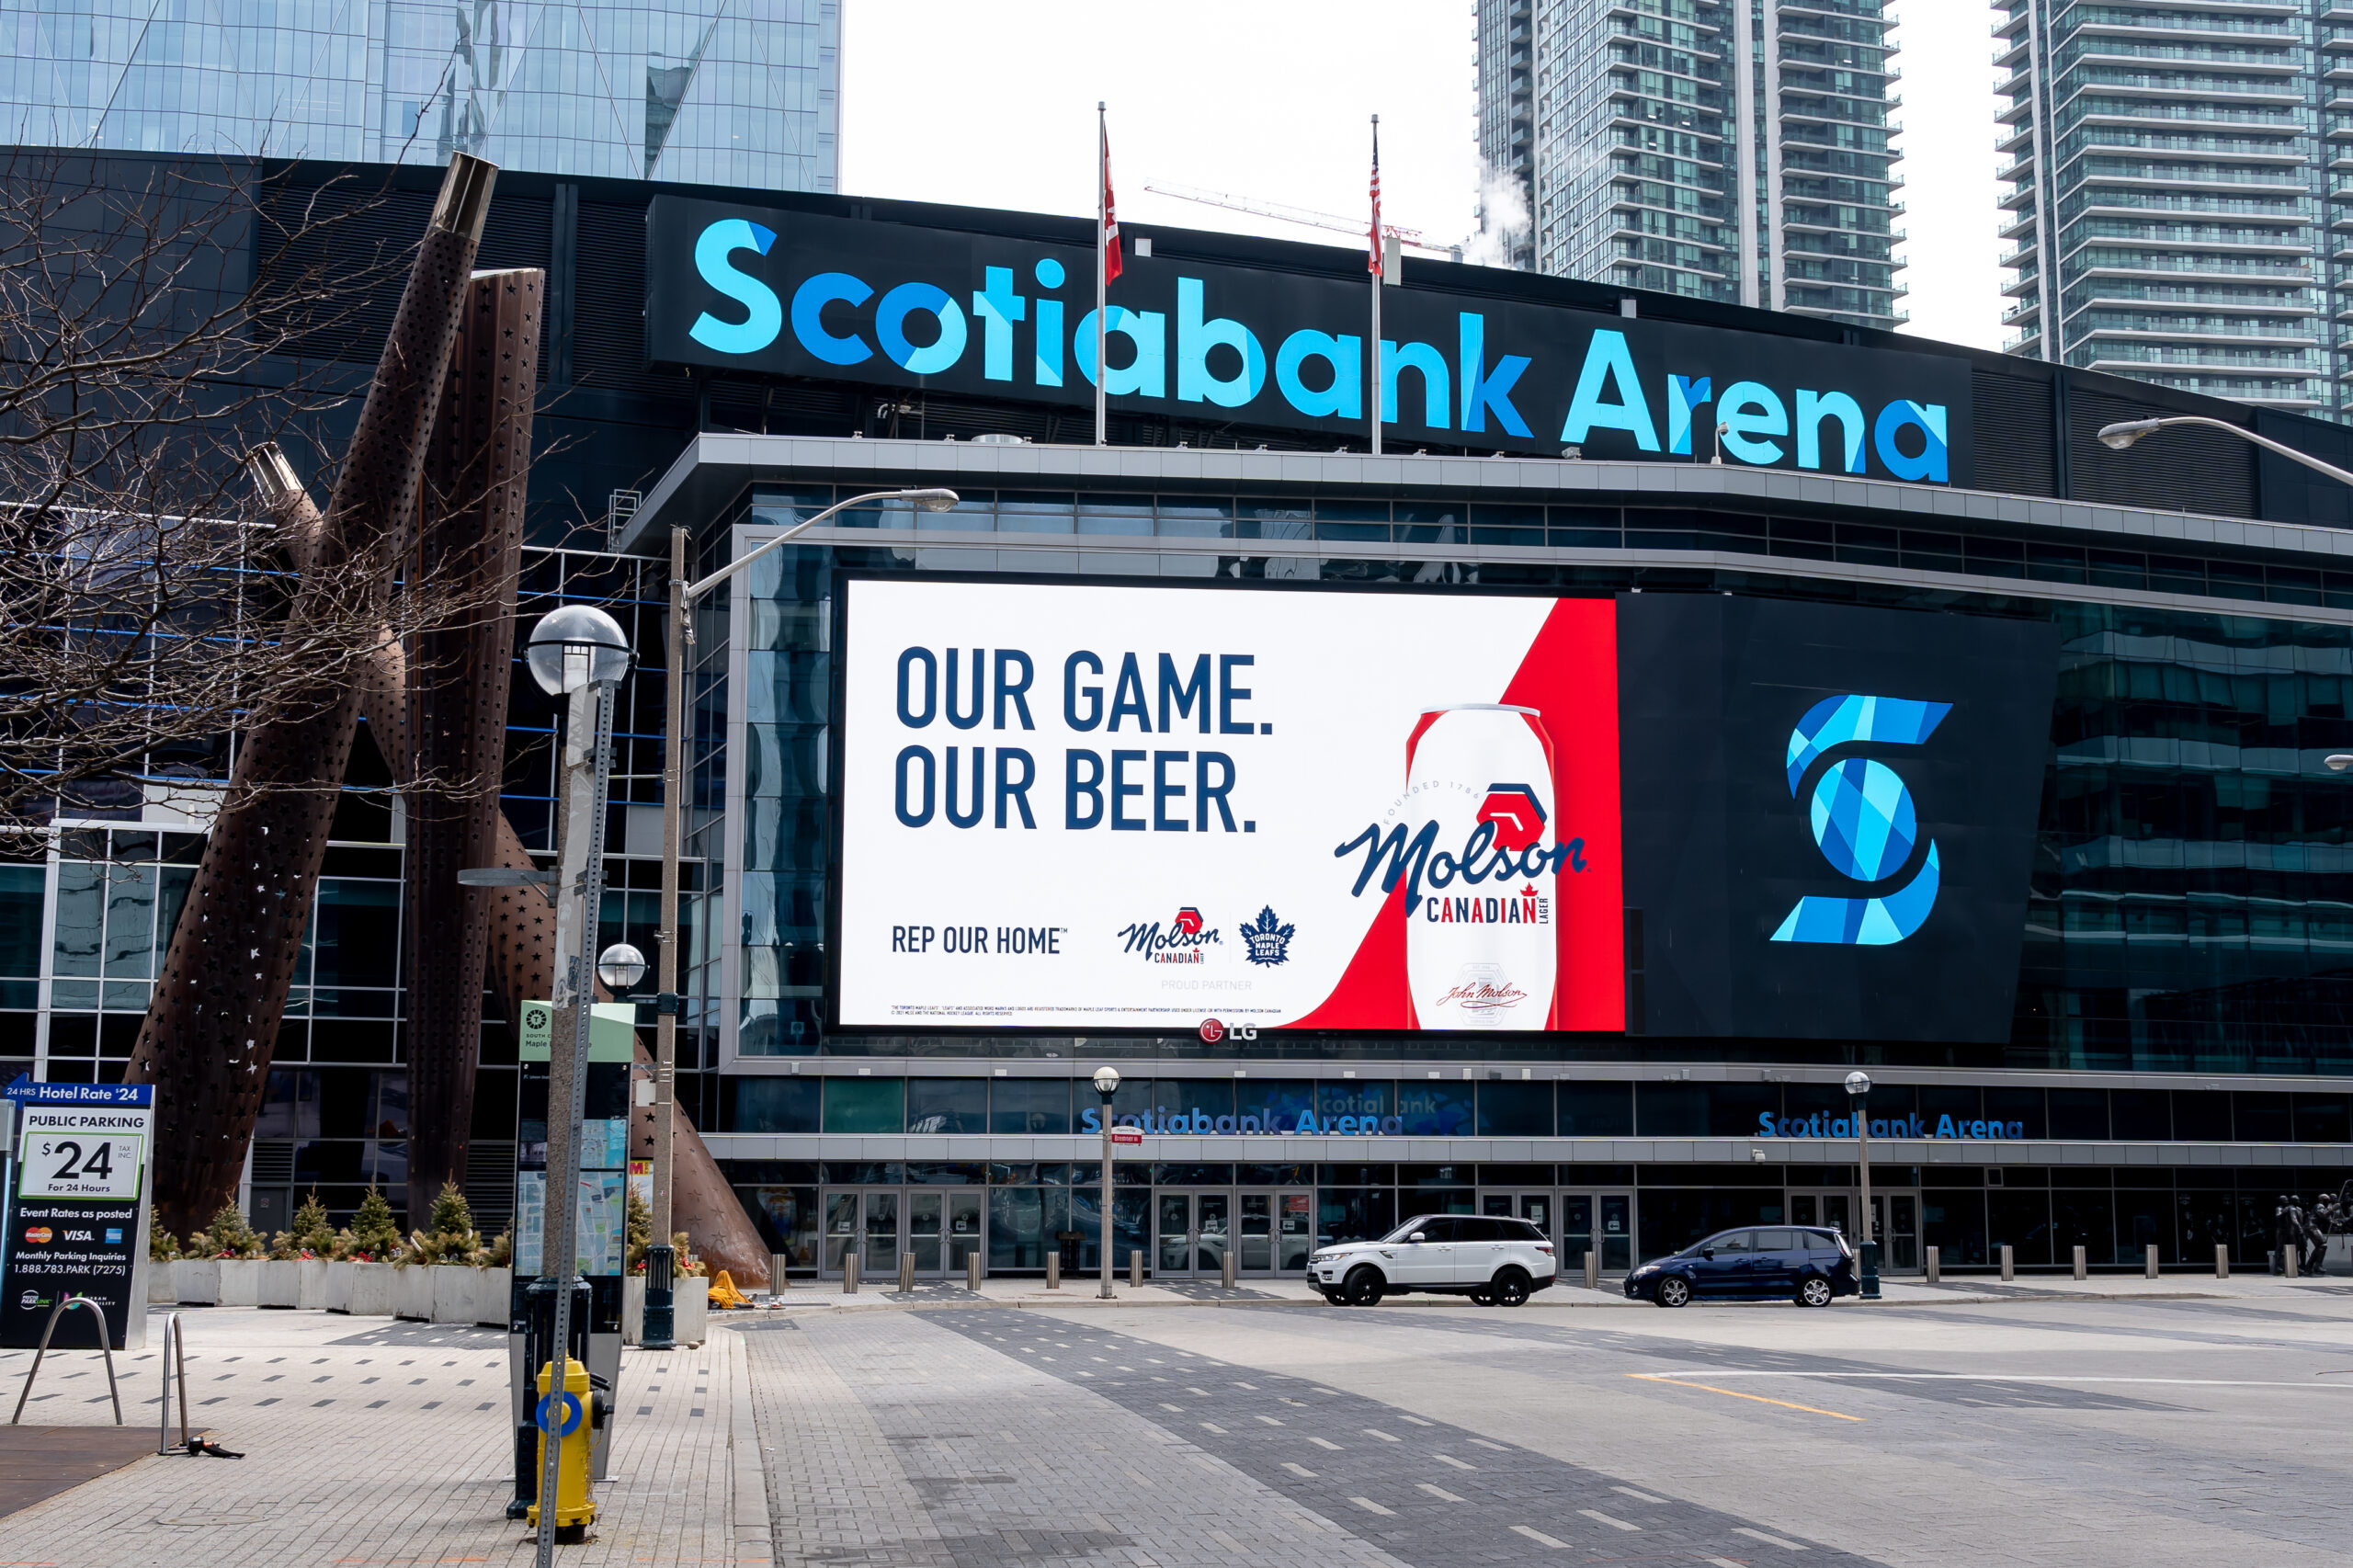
(748, 1527)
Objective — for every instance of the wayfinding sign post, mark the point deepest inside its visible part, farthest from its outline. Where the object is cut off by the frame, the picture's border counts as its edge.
(77, 1203)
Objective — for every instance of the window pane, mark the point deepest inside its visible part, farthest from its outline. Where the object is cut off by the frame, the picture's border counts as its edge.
(865, 1105)
(948, 1104)
(1029, 1105)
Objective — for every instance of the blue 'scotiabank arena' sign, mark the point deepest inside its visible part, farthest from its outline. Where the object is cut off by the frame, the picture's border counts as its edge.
(889, 304)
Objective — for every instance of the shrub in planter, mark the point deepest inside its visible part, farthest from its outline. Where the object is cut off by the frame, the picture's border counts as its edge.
(449, 1237)
(227, 1237)
(373, 1236)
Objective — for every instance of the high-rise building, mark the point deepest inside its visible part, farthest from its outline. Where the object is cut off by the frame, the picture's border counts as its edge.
(1727, 150)
(2169, 170)
(737, 92)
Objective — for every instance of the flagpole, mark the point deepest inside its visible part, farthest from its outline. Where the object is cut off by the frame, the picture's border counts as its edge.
(1102, 288)
(1379, 261)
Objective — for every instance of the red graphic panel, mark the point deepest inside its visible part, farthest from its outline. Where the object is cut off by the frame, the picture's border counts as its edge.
(1569, 677)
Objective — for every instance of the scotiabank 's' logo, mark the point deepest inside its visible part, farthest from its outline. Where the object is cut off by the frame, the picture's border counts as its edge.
(1185, 939)
(1863, 820)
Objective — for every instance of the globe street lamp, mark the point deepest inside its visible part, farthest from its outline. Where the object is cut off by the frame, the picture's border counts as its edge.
(577, 653)
(621, 966)
(684, 594)
(2121, 435)
(1859, 1089)
(1107, 1084)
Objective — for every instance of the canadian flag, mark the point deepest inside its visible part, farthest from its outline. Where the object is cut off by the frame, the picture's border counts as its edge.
(1110, 213)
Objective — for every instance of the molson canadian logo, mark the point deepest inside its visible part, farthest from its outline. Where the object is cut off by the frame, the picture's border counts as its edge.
(794, 293)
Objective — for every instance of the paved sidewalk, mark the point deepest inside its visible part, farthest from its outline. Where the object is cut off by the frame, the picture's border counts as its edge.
(373, 1442)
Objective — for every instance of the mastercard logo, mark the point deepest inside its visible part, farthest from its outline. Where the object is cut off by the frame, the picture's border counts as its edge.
(36, 1235)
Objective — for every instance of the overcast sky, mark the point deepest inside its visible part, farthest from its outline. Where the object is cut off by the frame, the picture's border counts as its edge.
(1269, 102)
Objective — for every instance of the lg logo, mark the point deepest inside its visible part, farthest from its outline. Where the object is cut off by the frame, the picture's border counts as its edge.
(1863, 820)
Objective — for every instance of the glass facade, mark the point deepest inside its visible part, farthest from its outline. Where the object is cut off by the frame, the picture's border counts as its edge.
(2171, 193)
(1725, 151)
(712, 92)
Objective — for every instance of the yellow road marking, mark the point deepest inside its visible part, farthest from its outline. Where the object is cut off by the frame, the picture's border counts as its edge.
(1734, 1393)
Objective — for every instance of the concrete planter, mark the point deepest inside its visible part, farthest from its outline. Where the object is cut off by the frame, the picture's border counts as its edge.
(162, 1290)
(240, 1283)
(310, 1290)
(280, 1284)
(196, 1282)
(494, 1293)
(413, 1293)
(457, 1293)
(374, 1289)
(690, 1310)
(335, 1287)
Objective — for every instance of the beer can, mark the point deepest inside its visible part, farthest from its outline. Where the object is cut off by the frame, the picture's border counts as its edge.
(1482, 954)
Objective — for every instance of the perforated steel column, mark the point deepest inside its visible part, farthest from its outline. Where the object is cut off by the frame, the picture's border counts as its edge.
(470, 543)
(211, 1025)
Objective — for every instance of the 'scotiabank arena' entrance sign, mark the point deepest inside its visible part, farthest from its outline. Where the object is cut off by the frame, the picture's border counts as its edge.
(1068, 805)
(784, 293)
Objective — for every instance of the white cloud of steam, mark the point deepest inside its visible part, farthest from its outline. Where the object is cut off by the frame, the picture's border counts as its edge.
(1504, 219)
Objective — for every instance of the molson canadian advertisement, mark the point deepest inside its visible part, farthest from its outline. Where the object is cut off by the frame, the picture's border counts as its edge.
(1087, 807)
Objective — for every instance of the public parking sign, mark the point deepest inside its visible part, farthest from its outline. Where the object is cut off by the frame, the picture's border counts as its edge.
(76, 1209)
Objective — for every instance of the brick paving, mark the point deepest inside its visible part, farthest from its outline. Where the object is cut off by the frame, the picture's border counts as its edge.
(372, 1442)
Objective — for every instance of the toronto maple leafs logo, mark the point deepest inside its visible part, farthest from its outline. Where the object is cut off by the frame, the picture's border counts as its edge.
(1264, 941)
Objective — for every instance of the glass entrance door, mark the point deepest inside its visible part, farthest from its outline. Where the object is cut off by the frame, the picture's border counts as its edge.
(1273, 1231)
(943, 1229)
(1895, 1225)
(1191, 1233)
(1599, 1223)
(1834, 1210)
(865, 1221)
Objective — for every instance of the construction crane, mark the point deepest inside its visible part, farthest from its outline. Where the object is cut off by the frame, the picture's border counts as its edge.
(1302, 215)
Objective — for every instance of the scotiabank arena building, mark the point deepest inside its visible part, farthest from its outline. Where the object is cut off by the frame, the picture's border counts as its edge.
(1687, 707)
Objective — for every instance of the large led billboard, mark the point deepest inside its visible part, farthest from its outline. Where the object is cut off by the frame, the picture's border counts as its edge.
(1079, 806)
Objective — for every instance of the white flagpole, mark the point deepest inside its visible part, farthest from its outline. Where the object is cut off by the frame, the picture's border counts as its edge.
(1102, 145)
(1379, 260)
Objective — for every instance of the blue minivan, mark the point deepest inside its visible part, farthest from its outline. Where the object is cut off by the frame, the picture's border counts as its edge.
(1759, 1263)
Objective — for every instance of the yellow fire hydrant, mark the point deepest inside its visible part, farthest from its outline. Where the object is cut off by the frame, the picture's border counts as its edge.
(571, 1418)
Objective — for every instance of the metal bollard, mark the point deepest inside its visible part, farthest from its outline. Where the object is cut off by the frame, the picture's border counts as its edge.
(1593, 1271)
(778, 1282)
(906, 1273)
(974, 1266)
(2150, 1260)
(850, 1274)
(2010, 1262)
(1054, 1270)
(1225, 1271)
(2222, 1260)
(1135, 1268)
(2293, 1256)
(2081, 1272)
(1935, 1265)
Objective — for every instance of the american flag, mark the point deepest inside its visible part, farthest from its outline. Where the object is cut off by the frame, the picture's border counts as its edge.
(1374, 264)
(1111, 216)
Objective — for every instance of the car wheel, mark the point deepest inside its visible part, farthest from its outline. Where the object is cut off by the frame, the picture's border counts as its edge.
(1338, 1298)
(1484, 1298)
(1510, 1288)
(1674, 1292)
(1814, 1290)
(1364, 1287)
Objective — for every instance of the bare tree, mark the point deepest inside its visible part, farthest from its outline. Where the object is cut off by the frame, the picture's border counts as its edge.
(159, 322)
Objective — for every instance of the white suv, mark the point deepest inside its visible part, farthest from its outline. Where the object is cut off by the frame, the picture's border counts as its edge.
(1492, 1260)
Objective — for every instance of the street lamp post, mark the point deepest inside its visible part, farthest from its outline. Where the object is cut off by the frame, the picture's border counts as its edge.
(1859, 1089)
(2121, 435)
(577, 653)
(668, 1006)
(1107, 1084)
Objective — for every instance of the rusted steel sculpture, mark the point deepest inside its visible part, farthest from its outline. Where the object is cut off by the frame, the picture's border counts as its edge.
(470, 538)
(211, 1025)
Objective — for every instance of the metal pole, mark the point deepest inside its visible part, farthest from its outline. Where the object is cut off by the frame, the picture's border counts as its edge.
(668, 1006)
(1102, 286)
(1381, 260)
(1866, 1274)
(585, 774)
(1106, 1293)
